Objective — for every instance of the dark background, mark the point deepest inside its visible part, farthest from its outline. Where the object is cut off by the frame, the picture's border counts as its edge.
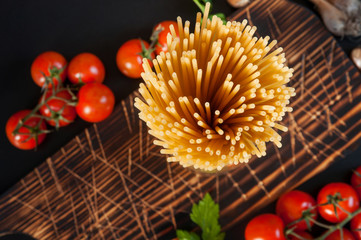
(70, 27)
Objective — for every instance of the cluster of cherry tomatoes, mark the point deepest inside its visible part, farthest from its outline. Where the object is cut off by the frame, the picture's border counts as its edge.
(94, 102)
(130, 55)
(297, 212)
(58, 106)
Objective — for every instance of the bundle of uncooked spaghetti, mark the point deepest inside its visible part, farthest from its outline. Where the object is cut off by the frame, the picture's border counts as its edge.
(216, 96)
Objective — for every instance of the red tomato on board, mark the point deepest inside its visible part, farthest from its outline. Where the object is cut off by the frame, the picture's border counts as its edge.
(162, 36)
(264, 227)
(58, 109)
(51, 64)
(355, 224)
(342, 191)
(304, 235)
(95, 102)
(356, 181)
(291, 205)
(87, 67)
(130, 57)
(336, 235)
(22, 141)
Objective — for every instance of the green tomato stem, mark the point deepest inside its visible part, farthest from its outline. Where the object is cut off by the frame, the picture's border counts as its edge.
(320, 224)
(339, 225)
(55, 90)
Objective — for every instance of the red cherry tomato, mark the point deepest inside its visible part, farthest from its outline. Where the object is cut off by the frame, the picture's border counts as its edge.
(304, 235)
(24, 140)
(51, 64)
(58, 109)
(355, 226)
(87, 67)
(336, 235)
(130, 57)
(356, 181)
(162, 36)
(95, 102)
(340, 191)
(264, 227)
(291, 205)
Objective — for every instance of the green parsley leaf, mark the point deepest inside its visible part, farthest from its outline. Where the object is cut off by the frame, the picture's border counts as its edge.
(185, 235)
(205, 214)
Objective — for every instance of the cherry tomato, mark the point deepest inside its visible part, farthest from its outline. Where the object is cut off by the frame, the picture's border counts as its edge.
(356, 181)
(355, 225)
(291, 205)
(58, 109)
(95, 102)
(87, 67)
(264, 227)
(24, 140)
(304, 235)
(336, 235)
(340, 191)
(130, 57)
(162, 36)
(51, 64)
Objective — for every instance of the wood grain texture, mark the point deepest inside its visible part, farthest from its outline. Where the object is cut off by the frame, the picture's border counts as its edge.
(110, 182)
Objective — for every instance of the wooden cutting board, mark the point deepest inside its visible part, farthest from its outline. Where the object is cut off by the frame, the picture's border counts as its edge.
(110, 182)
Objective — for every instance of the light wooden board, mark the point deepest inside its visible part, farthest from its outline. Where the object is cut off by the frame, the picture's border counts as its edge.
(110, 182)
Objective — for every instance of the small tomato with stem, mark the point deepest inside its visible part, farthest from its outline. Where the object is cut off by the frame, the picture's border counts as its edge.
(162, 29)
(59, 109)
(297, 207)
(336, 200)
(30, 134)
(48, 69)
(130, 57)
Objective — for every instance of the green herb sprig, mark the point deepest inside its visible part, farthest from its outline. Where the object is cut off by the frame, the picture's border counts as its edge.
(205, 214)
(201, 5)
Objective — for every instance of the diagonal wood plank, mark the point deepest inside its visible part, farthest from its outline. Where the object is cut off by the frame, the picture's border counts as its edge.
(110, 182)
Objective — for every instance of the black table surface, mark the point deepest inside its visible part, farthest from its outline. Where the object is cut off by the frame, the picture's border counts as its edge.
(28, 28)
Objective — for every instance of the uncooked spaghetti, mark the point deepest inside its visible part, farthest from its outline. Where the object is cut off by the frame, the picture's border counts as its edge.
(215, 98)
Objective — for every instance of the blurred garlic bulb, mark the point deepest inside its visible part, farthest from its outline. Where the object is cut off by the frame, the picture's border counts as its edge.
(356, 57)
(351, 7)
(238, 3)
(341, 17)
